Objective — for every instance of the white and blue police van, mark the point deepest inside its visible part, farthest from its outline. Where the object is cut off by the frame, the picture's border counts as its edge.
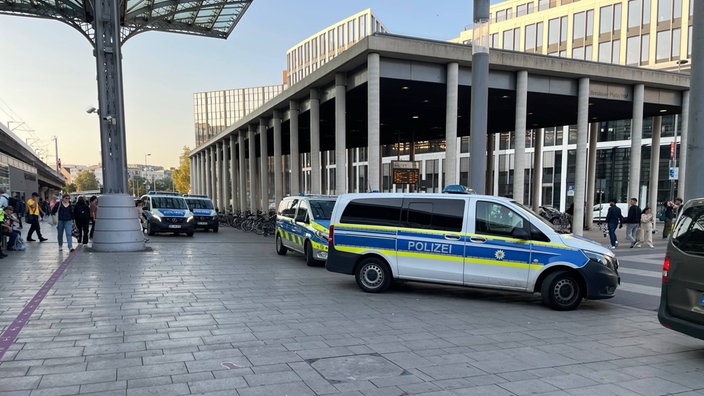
(466, 240)
(302, 225)
(167, 212)
(206, 217)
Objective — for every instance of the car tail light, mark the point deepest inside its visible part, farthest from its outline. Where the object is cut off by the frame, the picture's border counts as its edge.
(665, 268)
(330, 242)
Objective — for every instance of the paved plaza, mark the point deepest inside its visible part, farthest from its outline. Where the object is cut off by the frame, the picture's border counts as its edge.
(224, 314)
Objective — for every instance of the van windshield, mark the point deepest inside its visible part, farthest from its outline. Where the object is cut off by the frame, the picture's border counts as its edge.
(199, 203)
(169, 203)
(322, 210)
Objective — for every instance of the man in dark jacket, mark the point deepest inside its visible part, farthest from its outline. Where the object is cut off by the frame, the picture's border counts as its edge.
(633, 221)
(614, 219)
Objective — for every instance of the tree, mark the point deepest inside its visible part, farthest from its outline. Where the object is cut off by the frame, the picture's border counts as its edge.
(163, 184)
(138, 186)
(182, 175)
(86, 181)
(70, 188)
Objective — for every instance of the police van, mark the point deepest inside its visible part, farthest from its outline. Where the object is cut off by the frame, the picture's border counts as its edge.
(206, 217)
(302, 225)
(167, 212)
(468, 240)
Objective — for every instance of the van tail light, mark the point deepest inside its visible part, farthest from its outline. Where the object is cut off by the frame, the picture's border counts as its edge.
(665, 268)
(330, 242)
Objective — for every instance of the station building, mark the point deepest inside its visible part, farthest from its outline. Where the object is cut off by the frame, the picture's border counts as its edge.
(308, 123)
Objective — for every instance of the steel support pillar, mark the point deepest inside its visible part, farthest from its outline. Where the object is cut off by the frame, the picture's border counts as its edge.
(480, 92)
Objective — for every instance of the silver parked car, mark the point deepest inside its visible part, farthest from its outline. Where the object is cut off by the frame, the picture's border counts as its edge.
(682, 296)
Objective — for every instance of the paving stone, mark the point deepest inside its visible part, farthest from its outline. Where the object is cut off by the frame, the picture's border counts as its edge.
(134, 372)
(77, 378)
(166, 390)
(298, 388)
(207, 386)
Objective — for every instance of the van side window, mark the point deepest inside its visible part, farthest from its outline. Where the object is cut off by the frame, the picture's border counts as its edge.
(444, 215)
(302, 212)
(377, 211)
(287, 208)
(688, 234)
(496, 219)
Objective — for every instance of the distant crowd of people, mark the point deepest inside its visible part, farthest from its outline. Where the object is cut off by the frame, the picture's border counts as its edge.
(70, 218)
(640, 224)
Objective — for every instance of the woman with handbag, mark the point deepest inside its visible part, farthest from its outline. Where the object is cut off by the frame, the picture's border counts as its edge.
(65, 223)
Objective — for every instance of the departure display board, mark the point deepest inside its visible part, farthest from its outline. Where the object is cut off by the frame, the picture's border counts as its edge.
(406, 176)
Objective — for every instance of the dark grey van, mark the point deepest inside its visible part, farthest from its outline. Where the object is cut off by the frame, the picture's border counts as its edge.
(682, 296)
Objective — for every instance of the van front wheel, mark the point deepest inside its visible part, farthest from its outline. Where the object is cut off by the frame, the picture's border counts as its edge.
(561, 291)
(373, 275)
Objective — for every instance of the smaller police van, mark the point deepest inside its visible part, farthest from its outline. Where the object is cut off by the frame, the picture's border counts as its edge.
(206, 217)
(467, 240)
(167, 212)
(302, 225)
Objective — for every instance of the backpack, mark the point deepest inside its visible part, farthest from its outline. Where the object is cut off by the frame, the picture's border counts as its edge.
(82, 212)
(12, 201)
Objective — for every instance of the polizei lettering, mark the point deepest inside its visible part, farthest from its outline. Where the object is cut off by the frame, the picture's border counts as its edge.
(429, 247)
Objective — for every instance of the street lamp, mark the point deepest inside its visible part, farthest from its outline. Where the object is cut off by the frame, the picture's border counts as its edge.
(680, 63)
(145, 169)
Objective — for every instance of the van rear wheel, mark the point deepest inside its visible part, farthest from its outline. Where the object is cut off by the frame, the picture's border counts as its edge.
(562, 291)
(373, 275)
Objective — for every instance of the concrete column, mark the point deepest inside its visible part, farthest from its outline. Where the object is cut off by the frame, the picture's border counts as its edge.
(351, 182)
(591, 174)
(198, 181)
(373, 123)
(278, 169)
(694, 114)
(581, 157)
(195, 177)
(490, 164)
(264, 165)
(315, 187)
(295, 157)
(537, 193)
(654, 168)
(226, 183)
(684, 144)
(480, 93)
(219, 177)
(636, 138)
(451, 152)
(192, 173)
(340, 133)
(252, 170)
(519, 159)
(234, 193)
(242, 174)
(208, 171)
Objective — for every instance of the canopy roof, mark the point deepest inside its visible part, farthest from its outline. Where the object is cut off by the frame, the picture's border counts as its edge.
(211, 18)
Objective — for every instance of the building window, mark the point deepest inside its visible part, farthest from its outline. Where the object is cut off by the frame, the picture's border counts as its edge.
(606, 19)
(578, 53)
(646, 12)
(676, 40)
(362, 26)
(644, 49)
(553, 31)
(616, 52)
(530, 38)
(494, 40)
(543, 5)
(664, 10)
(605, 52)
(578, 29)
(677, 9)
(590, 23)
(662, 46)
(633, 51)
(350, 32)
(634, 7)
(617, 17)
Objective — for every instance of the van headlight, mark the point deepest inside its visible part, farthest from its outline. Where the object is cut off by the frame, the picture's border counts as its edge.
(607, 261)
(157, 218)
(321, 235)
(190, 219)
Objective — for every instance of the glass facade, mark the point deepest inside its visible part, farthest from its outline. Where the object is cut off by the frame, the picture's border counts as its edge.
(216, 110)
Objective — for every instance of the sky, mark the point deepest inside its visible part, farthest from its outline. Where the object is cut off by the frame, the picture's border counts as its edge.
(48, 72)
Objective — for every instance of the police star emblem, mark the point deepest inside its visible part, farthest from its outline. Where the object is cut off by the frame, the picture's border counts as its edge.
(499, 254)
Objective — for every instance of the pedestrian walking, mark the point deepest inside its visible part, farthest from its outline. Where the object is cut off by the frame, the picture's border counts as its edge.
(64, 226)
(81, 215)
(21, 208)
(647, 224)
(614, 220)
(34, 211)
(668, 215)
(633, 221)
(93, 204)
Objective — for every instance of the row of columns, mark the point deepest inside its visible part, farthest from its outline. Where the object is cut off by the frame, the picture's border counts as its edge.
(213, 175)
